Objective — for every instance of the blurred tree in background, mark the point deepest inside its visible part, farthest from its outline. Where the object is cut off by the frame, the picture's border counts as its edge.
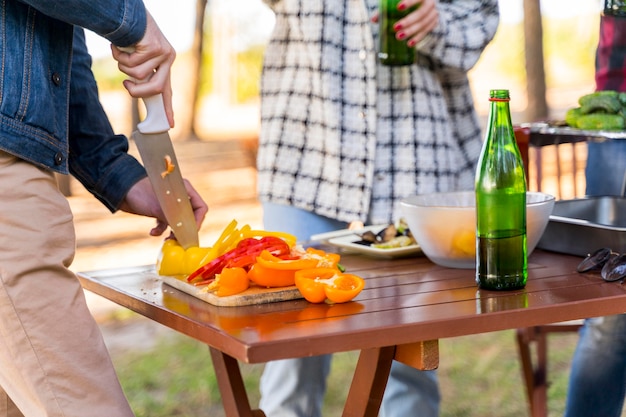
(223, 66)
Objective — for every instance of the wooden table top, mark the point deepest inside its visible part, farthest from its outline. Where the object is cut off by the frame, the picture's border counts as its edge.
(405, 301)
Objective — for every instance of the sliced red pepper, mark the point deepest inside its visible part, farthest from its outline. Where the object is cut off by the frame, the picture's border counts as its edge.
(243, 261)
(243, 255)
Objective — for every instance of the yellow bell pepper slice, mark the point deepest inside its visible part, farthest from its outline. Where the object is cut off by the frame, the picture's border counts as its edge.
(174, 260)
(287, 237)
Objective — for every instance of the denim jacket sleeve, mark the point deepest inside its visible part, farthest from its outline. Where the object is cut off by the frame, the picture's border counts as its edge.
(123, 22)
(97, 157)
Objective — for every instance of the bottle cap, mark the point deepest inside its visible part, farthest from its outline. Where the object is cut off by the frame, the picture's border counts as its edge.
(499, 95)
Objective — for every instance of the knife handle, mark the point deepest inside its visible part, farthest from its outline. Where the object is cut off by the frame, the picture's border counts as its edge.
(156, 119)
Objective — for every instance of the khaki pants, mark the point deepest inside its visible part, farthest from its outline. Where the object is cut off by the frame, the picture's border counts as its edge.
(53, 360)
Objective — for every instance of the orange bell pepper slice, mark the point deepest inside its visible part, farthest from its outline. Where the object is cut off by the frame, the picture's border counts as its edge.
(318, 284)
(271, 277)
(230, 281)
(274, 262)
(274, 271)
(324, 259)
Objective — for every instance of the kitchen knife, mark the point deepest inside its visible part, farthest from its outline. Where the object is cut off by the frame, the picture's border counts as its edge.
(158, 156)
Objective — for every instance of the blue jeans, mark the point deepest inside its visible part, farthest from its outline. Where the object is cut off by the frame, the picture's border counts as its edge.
(606, 166)
(296, 387)
(598, 377)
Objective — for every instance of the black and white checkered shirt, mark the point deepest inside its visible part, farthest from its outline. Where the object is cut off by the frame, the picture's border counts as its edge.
(348, 138)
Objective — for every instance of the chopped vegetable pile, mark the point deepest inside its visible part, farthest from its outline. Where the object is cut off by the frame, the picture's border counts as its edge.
(241, 256)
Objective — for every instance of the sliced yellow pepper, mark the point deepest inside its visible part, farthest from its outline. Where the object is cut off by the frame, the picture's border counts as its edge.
(287, 237)
(175, 260)
(171, 258)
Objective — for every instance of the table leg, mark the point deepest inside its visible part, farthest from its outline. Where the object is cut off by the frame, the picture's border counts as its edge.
(420, 355)
(232, 389)
(369, 382)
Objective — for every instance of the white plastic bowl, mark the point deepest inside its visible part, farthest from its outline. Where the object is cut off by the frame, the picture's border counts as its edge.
(444, 224)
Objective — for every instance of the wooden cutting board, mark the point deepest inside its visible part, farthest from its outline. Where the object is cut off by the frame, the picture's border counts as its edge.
(253, 295)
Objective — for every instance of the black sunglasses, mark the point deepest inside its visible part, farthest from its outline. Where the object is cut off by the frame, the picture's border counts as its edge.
(612, 265)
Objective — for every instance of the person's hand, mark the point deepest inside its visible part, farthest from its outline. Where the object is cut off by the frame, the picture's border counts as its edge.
(149, 61)
(417, 24)
(141, 200)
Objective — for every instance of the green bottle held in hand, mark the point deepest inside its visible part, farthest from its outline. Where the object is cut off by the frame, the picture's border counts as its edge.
(615, 8)
(392, 51)
(501, 257)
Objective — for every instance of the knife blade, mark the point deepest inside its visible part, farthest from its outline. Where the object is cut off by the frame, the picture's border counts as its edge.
(159, 159)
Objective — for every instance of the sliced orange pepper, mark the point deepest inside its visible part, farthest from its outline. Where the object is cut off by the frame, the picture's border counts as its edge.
(271, 277)
(275, 271)
(324, 259)
(274, 262)
(318, 284)
(272, 271)
(229, 282)
(344, 288)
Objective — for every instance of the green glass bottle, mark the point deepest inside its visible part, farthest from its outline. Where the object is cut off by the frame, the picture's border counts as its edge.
(392, 51)
(615, 8)
(501, 258)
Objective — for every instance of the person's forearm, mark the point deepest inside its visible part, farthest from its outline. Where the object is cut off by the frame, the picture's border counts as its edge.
(122, 22)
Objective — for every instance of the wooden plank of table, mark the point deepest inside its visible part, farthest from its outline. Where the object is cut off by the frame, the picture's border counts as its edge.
(405, 301)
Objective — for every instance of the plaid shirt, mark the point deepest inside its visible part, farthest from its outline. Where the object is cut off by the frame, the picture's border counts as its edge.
(348, 138)
(611, 54)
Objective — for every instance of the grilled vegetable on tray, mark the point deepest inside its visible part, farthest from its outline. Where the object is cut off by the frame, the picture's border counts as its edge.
(602, 110)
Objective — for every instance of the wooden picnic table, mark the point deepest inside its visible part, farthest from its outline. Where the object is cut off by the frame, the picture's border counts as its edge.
(406, 307)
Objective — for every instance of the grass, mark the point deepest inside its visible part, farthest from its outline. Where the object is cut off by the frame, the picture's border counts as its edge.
(479, 376)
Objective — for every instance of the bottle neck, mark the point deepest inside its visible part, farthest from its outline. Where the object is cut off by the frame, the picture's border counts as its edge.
(499, 114)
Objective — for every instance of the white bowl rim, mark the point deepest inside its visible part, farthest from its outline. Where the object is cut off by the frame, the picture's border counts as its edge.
(538, 197)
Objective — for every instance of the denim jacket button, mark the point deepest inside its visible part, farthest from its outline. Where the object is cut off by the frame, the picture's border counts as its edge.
(56, 78)
(58, 158)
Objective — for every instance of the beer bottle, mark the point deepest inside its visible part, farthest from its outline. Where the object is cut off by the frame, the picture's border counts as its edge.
(392, 51)
(615, 8)
(501, 261)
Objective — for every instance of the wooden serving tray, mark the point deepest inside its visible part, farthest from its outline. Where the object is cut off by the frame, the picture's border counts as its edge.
(253, 295)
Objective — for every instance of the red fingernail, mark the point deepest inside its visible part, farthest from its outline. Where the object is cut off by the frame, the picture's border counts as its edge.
(397, 27)
(400, 35)
(402, 6)
(411, 43)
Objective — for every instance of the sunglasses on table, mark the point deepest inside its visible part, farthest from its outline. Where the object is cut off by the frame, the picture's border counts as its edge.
(612, 265)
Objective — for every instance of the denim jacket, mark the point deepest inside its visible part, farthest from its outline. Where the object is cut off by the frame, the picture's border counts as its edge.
(50, 114)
